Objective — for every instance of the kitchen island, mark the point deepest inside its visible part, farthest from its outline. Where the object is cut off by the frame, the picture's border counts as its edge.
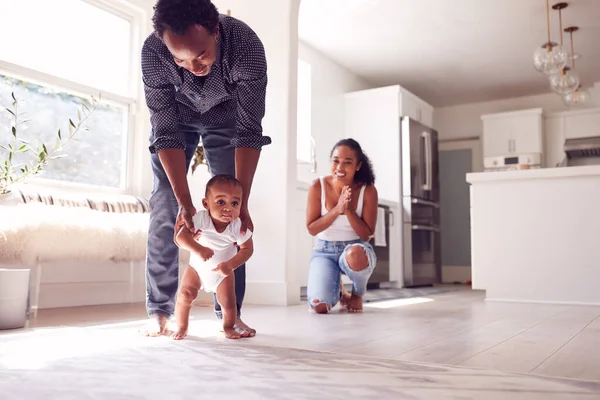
(535, 235)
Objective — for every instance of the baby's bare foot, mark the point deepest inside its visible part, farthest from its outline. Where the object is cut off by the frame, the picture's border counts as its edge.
(355, 304)
(230, 333)
(180, 333)
(242, 326)
(157, 326)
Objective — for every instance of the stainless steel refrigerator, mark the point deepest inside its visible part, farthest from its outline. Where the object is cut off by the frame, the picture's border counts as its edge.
(421, 204)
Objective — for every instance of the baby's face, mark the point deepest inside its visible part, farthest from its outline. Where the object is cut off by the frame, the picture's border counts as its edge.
(223, 202)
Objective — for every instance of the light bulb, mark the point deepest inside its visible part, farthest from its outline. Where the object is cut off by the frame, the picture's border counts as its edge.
(578, 98)
(564, 82)
(550, 58)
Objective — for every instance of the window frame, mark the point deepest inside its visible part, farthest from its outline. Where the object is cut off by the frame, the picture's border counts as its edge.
(132, 103)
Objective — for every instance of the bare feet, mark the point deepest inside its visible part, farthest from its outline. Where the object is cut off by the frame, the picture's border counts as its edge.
(345, 299)
(231, 333)
(355, 303)
(242, 329)
(157, 326)
(241, 325)
(180, 333)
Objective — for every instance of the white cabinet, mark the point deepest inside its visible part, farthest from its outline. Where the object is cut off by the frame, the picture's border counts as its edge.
(518, 132)
(554, 139)
(561, 126)
(372, 117)
(582, 124)
(415, 108)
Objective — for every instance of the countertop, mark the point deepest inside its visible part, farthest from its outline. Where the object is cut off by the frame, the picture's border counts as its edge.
(540, 173)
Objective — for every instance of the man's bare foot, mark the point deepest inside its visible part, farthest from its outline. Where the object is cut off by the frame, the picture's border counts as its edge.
(231, 333)
(157, 326)
(180, 333)
(355, 303)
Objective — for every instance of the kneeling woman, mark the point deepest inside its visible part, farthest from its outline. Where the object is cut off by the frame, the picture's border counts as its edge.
(342, 213)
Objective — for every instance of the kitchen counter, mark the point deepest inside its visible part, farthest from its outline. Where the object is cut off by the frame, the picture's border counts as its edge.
(540, 173)
(535, 235)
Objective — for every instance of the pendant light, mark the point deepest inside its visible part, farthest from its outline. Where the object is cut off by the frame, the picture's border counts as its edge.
(579, 97)
(550, 57)
(566, 79)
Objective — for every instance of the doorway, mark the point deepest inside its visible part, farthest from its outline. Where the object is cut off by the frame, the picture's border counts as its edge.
(456, 159)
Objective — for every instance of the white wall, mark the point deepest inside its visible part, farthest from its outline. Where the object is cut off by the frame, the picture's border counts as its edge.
(330, 82)
(464, 121)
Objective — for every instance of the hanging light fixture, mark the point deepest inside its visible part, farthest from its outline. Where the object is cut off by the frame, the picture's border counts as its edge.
(566, 79)
(550, 57)
(579, 97)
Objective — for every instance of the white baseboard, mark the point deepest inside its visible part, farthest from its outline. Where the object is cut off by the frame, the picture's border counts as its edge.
(456, 273)
(272, 293)
(545, 302)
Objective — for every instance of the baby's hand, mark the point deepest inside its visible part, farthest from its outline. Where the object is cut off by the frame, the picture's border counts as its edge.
(223, 269)
(197, 235)
(205, 253)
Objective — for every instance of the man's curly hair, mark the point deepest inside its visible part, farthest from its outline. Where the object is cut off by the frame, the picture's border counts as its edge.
(178, 15)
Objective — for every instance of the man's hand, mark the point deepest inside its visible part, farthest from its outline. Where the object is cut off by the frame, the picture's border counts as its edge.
(184, 217)
(246, 221)
(223, 269)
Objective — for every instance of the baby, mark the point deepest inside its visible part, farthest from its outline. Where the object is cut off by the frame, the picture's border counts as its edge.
(214, 255)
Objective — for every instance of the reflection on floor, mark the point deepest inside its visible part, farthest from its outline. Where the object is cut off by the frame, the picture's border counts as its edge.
(293, 351)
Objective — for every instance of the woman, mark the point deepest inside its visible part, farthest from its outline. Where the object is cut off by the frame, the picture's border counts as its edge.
(342, 213)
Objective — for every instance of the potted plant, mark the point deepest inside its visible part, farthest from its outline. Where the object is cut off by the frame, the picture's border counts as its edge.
(19, 160)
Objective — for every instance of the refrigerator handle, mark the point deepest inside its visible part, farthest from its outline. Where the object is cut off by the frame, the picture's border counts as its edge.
(427, 137)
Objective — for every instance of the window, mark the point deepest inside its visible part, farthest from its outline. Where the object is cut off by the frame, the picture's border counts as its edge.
(64, 51)
(304, 134)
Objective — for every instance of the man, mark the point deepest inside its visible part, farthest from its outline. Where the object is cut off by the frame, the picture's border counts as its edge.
(205, 75)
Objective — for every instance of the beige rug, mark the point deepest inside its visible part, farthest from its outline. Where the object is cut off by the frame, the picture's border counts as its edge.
(114, 363)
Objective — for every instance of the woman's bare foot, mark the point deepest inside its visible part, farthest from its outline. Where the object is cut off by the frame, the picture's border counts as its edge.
(355, 304)
(345, 299)
(230, 333)
(157, 326)
(180, 334)
(241, 325)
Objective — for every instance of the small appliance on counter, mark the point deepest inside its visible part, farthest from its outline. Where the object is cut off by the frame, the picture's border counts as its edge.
(512, 162)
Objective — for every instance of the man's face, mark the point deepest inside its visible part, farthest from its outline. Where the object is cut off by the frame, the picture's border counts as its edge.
(195, 51)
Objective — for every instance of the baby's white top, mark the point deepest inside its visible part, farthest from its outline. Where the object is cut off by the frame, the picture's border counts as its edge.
(221, 243)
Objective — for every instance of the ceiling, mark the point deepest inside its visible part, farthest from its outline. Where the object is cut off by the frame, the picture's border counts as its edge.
(449, 52)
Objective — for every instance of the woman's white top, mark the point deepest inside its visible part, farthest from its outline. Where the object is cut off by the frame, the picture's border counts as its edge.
(340, 230)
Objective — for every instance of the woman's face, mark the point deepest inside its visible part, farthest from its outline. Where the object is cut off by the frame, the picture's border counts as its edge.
(344, 164)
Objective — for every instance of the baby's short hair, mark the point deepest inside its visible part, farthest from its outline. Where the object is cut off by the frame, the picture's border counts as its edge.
(222, 178)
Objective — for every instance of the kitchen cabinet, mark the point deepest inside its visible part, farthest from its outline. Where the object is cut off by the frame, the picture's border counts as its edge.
(564, 125)
(517, 132)
(554, 139)
(372, 117)
(582, 123)
(415, 108)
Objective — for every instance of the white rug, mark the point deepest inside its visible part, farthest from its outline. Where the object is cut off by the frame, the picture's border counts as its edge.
(114, 363)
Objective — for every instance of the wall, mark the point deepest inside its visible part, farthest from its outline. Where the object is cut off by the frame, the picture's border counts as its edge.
(464, 121)
(330, 82)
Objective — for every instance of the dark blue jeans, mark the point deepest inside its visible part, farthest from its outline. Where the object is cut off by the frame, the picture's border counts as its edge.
(162, 256)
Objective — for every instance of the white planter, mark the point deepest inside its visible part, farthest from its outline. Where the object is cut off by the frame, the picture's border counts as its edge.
(14, 296)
